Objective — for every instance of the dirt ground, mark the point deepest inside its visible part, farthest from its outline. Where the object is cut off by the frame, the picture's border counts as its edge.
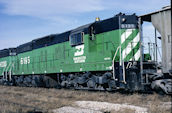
(30, 100)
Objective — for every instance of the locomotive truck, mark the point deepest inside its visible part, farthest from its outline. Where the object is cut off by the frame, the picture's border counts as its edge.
(103, 55)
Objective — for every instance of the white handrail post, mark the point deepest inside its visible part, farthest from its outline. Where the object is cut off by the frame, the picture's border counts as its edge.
(114, 64)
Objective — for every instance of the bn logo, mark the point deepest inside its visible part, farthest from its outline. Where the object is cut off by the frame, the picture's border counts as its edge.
(79, 50)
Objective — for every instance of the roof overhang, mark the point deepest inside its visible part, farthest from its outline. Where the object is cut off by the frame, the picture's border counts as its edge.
(147, 17)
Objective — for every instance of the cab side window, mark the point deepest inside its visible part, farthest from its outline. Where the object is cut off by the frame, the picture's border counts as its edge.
(76, 39)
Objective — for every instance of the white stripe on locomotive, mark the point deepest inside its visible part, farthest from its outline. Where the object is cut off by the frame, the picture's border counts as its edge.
(126, 34)
(130, 46)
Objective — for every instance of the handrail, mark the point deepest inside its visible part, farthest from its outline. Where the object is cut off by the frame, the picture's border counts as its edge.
(7, 70)
(121, 63)
(8, 66)
(119, 47)
(12, 66)
(3, 72)
(123, 72)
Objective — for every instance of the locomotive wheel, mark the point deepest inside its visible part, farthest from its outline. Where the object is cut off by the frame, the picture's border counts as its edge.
(76, 85)
(111, 85)
(91, 84)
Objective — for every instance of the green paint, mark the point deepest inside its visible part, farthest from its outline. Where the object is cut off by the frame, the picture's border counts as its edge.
(60, 58)
(132, 53)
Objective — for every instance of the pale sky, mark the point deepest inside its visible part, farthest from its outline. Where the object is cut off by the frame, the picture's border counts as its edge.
(24, 20)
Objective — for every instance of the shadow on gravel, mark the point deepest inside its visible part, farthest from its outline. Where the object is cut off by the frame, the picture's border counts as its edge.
(34, 111)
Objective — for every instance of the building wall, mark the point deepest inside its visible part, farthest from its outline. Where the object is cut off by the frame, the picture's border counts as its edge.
(162, 22)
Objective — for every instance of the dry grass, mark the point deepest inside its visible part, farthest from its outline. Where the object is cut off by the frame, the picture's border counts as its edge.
(123, 111)
(21, 99)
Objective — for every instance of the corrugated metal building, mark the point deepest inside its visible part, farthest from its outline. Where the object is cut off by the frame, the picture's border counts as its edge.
(161, 20)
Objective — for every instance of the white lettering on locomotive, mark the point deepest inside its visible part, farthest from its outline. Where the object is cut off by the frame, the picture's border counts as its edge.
(80, 59)
(107, 58)
(25, 60)
(109, 68)
(3, 64)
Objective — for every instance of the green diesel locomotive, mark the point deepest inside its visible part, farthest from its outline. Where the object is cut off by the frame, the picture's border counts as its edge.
(103, 55)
